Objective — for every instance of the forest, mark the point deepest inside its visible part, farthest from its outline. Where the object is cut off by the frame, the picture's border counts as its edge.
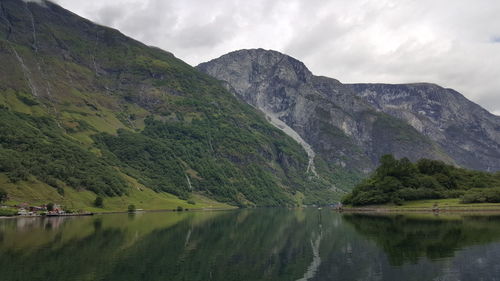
(399, 180)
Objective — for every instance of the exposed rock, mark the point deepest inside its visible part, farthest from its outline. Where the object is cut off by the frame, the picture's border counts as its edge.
(351, 126)
(465, 131)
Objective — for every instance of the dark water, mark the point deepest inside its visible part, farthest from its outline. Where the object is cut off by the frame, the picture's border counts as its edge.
(251, 245)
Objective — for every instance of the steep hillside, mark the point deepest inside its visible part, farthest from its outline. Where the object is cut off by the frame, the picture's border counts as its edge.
(465, 131)
(84, 108)
(341, 128)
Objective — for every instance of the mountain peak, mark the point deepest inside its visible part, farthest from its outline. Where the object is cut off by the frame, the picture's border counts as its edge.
(71, 87)
(417, 120)
(261, 64)
(260, 53)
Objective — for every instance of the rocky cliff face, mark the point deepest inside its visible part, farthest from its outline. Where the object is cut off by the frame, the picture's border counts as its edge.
(283, 88)
(339, 125)
(351, 126)
(465, 131)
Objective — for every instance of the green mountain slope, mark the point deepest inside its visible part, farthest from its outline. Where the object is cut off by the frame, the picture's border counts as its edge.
(84, 108)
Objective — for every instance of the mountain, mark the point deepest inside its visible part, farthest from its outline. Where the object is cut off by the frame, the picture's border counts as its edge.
(352, 126)
(464, 130)
(87, 111)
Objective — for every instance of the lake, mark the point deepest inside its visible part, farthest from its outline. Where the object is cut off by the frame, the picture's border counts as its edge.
(261, 244)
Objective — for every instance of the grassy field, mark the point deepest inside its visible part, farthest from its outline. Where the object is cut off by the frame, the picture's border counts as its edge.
(452, 204)
(34, 192)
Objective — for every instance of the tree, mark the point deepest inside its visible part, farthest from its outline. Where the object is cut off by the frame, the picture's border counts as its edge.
(131, 208)
(99, 202)
(387, 165)
(3, 195)
(50, 207)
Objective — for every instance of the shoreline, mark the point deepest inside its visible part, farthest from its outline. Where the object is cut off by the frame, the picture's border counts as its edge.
(166, 211)
(364, 210)
(382, 210)
(450, 205)
(123, 212)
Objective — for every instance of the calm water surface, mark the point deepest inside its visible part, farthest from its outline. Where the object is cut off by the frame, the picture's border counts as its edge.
(242, 245)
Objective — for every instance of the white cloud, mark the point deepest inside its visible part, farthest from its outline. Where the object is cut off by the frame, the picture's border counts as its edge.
(455, 43)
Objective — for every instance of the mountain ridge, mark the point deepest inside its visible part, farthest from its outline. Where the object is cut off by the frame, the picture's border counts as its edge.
(87, 111)
(439, 113)
(150, 122)
(258, 75)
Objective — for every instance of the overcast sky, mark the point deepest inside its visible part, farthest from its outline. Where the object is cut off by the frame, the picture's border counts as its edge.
(454, 43)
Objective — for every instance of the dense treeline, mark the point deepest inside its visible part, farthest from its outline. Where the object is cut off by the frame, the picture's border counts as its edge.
(212, 157)
(395, 181)
(36, 146)
(215, 158)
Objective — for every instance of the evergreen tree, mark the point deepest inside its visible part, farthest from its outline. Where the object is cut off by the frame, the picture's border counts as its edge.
(3, 195)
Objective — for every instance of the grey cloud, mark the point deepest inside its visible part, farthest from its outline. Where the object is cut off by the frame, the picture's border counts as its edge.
(448, 42)
(206, 35)
(491, 99)
(111, 15)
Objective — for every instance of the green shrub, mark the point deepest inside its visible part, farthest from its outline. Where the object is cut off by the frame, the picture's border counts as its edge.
(60, 190)
(99, 202)
(131, 208)
(7, 212)
(28, 101)
(486, 195)
(3, 195)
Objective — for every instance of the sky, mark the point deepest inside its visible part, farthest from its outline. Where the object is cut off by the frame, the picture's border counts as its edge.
(453, 43)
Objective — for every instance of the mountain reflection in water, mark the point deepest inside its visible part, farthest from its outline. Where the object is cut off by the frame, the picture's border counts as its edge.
(262, 244)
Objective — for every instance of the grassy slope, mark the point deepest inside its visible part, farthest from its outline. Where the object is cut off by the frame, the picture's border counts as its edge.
(38, 193)
(92, 80)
